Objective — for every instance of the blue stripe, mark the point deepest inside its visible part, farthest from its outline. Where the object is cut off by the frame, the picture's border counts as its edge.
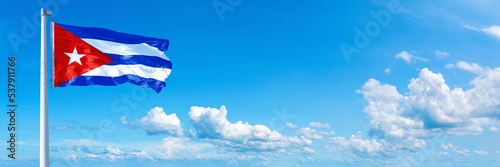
(115, 36)
(154, 84)
(151, 61)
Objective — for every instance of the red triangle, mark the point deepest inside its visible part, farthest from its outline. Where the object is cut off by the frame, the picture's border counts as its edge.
(66, 42)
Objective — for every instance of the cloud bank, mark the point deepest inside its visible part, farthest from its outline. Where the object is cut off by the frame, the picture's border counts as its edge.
(212, 124)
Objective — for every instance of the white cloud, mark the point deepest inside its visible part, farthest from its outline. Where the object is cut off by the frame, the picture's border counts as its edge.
(481, 153)
(357, 145)
(114, 151)
(494, 129)
(475, 68)
(430, 107)
(212, 124)
(157, 122)
(180, 147)
(405, 56)
(441, 54)
(493, 30)
(319, 125)
(192, 134)
(305, 150)
(457, 150)
(172, 145)
(308, 150)
(170, 148)
(291, 126)
(449, 65)
(131, 124)
(448, 146)
(72, 158)
(387, 70)
(92, 155)
(124, 120)
(471, 27)
(443, 154)
(113, 154)
(141, 155)
(409, 57)
(63, 127)
(325, 133)
(313, 134)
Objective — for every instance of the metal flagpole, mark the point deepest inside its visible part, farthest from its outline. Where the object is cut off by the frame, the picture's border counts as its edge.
(44, 120)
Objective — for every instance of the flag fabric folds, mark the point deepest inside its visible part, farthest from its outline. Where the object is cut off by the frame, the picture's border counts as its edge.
(96, 56)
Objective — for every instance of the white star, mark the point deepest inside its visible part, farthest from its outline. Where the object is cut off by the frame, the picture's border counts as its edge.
(75, 57)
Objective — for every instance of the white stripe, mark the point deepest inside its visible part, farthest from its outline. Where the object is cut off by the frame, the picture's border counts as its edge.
(125, 49)
(139, 70)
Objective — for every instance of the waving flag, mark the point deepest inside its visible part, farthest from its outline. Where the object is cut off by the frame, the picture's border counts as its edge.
(95, 56)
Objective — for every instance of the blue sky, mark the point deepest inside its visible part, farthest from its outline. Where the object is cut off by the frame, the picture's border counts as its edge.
(422, 90)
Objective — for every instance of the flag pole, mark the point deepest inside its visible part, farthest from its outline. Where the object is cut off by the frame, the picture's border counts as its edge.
(44, 120)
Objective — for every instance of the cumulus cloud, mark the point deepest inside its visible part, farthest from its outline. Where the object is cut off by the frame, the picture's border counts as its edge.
(114, 151)
(172, 145)
(472, 67)
(319, 125)
(387, 70)
(157, 122)
(431, 107)
(213, 125)
(291, 126)
(409, 57)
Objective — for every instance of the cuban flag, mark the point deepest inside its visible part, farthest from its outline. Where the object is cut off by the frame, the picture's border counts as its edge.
(86, 56)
